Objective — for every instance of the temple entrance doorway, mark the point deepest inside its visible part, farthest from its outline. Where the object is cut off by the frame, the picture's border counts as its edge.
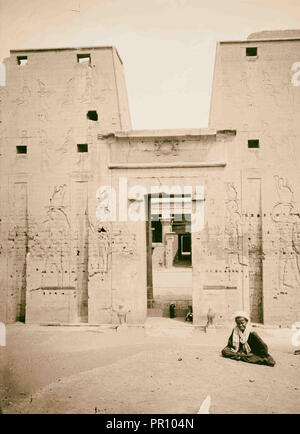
(169, 255)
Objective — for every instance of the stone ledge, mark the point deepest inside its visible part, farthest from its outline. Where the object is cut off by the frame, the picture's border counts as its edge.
(169, 165)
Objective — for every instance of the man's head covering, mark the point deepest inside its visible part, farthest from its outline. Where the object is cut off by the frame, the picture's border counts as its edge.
(239, 337)
(241, 314)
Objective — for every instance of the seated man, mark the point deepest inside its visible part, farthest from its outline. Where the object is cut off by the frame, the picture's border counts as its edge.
(245, 344)
(189, 315)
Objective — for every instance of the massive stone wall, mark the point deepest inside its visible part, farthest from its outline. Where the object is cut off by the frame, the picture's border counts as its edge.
(45, 220)
(259, 96)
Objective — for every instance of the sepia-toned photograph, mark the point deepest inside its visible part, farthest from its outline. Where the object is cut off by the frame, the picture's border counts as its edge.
(149, 209)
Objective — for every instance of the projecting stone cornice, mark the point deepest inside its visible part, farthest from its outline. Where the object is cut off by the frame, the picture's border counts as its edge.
(178, 134)
(251, 41)
(169, 165)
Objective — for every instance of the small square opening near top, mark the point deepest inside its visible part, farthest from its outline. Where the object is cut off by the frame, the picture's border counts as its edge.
(84, 58)
(252, 144)
(83, 147)
(251, 51)
(92, 115)
(22, 60)
(21, 149)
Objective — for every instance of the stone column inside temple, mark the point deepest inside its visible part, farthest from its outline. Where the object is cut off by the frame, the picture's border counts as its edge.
(166, 224)
(170, 249)
(168, 240)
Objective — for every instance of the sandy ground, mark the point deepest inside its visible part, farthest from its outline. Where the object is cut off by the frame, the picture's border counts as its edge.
(165, 368)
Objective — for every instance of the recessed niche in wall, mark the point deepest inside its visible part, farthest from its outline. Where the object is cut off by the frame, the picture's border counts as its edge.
(21, 149)
(84, 58)
(92, 115)
(22, 60)
(252, 144)
(251, 51)
(156, 228)
(82, 147)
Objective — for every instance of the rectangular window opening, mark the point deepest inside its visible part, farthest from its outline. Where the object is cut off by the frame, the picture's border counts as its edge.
(251, 51)
(186, 245)
(252, 144)
(21, 149)
(82, 147)
(92, 115)
(22, 60)
(84, 58)
(156, 228)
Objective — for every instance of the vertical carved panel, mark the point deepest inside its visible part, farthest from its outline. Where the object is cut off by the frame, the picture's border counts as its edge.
(254, 218)
(149, 255)
(17, 253)
(81, 201)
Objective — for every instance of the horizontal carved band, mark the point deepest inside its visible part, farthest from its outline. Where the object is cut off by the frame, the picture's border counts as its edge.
(54, 288)
(169, 165)
(212, 287)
